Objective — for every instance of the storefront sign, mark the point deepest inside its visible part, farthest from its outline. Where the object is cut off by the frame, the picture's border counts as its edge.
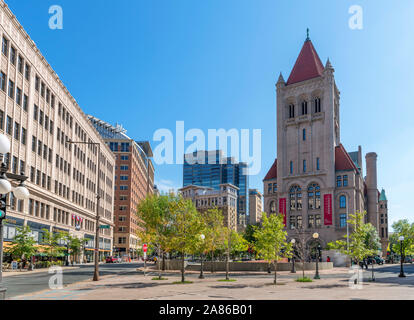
(327, 209)
(282, 209)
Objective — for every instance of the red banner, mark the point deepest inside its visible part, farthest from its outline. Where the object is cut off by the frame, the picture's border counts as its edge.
(282, 208)
(327, 209)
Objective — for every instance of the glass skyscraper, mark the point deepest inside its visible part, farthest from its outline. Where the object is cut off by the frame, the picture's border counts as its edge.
(210, 169)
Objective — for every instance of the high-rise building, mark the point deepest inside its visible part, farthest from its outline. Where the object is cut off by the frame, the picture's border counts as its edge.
(255, 206)
(315, 183)
(225, 199)
(39, 116)
(134, 180)
(211, 169)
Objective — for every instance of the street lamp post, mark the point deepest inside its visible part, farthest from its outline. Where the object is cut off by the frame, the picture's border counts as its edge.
(98, 197)
(316, 236)
(202, 237)
(401, 275)
(20, 192)
(293, 241)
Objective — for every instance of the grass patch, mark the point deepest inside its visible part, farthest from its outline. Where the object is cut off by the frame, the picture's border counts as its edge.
(180, 282)
(305, 279)
(225, 280)
(158, 278)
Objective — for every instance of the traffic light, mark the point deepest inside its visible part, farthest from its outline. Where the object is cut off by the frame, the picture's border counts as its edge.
(3, 206)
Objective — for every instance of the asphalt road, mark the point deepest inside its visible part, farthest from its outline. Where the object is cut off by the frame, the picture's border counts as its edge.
(32, 282)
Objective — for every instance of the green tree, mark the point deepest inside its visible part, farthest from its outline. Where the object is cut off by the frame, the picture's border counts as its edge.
(23, 245)
(271, 242)
(359, 247)
(53, 242)
(248, 235)
(186, 227)
(406, 229)
(213, 230)
(238, 244)
(372, 242)
(74, 245)
(155, 221)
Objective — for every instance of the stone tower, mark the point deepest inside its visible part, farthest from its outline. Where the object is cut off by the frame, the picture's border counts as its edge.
(372, 190)
(383, 221)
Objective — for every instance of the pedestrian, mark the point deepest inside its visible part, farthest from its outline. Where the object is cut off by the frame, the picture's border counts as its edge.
(328, 259)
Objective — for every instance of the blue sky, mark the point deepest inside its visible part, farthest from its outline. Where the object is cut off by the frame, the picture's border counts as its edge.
(214, 64)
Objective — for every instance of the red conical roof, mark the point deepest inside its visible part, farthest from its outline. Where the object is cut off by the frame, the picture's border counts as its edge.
(307, 66)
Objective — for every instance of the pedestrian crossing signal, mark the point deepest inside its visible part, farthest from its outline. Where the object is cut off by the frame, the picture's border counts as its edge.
(2, 214)
(2, 208)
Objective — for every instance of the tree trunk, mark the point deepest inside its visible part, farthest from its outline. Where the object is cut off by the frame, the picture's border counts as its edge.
(228, 259)
(163, 261)
(159, 264)
(182, 267)
(303, 268)
(212, 261)
(275, 265)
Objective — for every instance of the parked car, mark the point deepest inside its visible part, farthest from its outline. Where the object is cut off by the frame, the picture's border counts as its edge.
(379, 260)
(408, 260)
(112, 259)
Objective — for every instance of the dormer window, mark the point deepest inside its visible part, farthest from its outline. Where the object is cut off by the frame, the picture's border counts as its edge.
(291, 111)
(317, 105)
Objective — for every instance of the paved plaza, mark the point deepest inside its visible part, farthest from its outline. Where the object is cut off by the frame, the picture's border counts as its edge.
(129, 283)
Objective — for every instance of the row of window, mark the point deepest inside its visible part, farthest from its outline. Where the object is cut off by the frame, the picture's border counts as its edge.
(314, 221)
(272, 188)
(13, 56)
(342, 181)
(304, 165)
(304, 108)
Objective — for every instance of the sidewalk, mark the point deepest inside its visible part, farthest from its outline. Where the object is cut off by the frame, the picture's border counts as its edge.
(8, 273)
(334, 286)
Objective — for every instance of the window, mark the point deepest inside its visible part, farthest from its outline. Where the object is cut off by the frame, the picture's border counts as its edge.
(25, 102)
(291, 111)
(317, 164)
(24, 136)
(35, 112)
(291, 167)
(124, 168)
(16, 131)
(317, 220)
(269, 188)
(9, 125)
(37, 83)
(304, 134)
(13, 55)
(317, 105)
(39, 148)
(273, 207)
(342, 220)
(22, 167)
(123, 188)
(27, 72)
(338, 181)
(304, 107)
(345, 180)
(122, 218)
(42, 89)
(11, 89)
(5, 46)
(342, 202)
(311, 221)
(20, 63)
(3, 81)
(19, 96)
(304, 165)
(124, 157)
(274, 187)
(124, 178)
(295, 196)
(292, 222)
(1, 119)
(123, 198)
(34, 142)
(314, 196)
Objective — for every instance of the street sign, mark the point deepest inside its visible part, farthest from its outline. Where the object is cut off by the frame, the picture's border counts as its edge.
(145, 255)
(104, 226)
(145, 247)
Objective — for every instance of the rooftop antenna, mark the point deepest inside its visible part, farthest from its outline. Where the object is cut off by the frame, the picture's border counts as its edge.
(307, 34)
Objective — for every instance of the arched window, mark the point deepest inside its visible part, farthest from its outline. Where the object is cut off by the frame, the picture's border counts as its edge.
(304, 107)
(291, 111)
(317, 105)
(295, 196)
(272, 207)
(314, 196)
(342, 202)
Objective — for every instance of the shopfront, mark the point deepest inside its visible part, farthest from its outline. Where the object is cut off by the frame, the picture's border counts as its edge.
(37, 230)
(89, 248)
(9, 232)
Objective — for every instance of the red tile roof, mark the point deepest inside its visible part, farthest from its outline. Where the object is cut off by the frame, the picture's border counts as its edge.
(272, 173)
(343, 161)
(307, 66)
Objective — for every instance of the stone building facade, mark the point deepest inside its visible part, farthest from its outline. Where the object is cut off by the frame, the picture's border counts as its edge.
(39, 116)
(134, 180)
(255, 206)
(314, 182)
(225, 199)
